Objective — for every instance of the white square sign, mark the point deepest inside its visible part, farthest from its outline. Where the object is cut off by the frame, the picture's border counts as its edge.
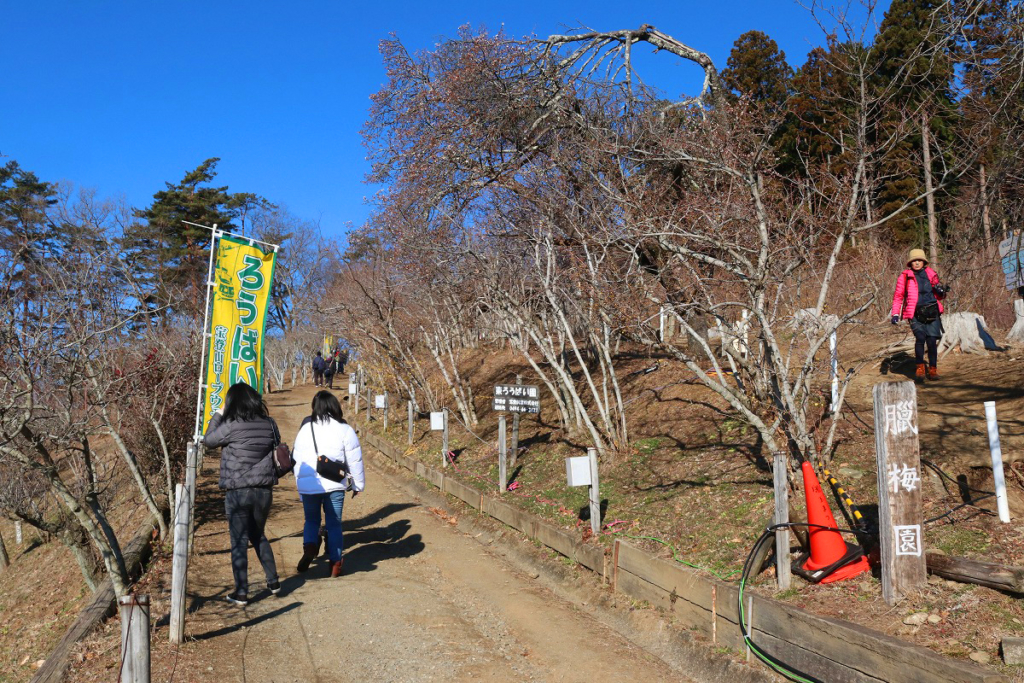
(437, 422)
(380, 401)
(352, 388)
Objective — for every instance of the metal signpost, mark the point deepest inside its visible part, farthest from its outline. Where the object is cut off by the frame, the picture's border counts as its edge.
(899, 489)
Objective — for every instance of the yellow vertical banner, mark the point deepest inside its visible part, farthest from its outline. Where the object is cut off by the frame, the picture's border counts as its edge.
(242, 280)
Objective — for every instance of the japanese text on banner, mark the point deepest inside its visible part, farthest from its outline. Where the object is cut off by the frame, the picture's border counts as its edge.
(242, 281)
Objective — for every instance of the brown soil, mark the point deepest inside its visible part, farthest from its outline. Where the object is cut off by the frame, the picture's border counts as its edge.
(695, 486)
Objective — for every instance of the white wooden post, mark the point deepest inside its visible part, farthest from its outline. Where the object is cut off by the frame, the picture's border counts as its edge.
(179, 566)
(191, 464)
(17, 533)
(595, 493)
(134, 638)
(444, 440)
(997, 462)
(783, 569)
(410, 423)
(502, 456)
(899, 489)
(514, 447)
(834, 371)
(369, 405)
(385, 411)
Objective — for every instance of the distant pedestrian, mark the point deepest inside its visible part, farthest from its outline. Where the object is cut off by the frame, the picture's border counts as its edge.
(247, 436)
(318, 369)
(330, 370)
(326, 434)
(918, 298)
(342, 359)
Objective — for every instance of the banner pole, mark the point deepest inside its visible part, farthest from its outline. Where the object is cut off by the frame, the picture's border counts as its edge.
(205, 334)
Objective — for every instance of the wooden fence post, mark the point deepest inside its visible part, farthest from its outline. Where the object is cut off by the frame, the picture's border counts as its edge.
(179, 565)
(17, 533)
(134, 638)
(444, 440)
(502, 456)
(514, 448)
(191, 465)
(783, 569)
(899, 489)
(595, 493)
(369, 406)
(385, 411)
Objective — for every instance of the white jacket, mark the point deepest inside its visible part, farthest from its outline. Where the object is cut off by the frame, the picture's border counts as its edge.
(336, 440)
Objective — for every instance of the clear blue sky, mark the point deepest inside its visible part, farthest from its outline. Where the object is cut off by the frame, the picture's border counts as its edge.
(124, 96)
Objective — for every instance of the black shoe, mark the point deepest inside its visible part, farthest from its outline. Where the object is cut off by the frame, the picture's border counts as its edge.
(274, 587)
(238, 598)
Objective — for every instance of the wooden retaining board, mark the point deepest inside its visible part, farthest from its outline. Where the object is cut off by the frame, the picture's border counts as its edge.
(515, 518)
(466, 494)
(848, 645)
(668, 576)
(560, 541)
(435, 477)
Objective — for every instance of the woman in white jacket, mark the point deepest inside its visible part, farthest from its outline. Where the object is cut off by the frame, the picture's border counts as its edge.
(325, 433)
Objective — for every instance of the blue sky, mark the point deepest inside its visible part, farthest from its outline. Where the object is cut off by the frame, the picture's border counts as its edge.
(124, 96)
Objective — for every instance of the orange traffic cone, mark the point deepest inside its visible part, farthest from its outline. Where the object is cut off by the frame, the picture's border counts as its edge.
(831, 558)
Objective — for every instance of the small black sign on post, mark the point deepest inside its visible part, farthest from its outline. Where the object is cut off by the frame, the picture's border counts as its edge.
(516, 398)
(899, 489)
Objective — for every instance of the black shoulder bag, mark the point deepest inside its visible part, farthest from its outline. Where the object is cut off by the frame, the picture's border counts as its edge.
(333, 470)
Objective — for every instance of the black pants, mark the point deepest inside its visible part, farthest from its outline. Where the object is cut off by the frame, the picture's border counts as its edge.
(330, 379)
(923, 336)
(247, 511)
(318, 378)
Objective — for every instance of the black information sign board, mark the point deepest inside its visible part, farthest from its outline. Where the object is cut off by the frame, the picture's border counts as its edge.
(516, 398)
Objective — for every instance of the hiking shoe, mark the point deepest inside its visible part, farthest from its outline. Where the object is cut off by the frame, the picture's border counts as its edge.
(933, 372)
(336, 568)
(274, 587)
(920, 372)
(238, 598)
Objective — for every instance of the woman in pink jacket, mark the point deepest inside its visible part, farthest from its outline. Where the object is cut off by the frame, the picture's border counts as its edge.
(918, 298)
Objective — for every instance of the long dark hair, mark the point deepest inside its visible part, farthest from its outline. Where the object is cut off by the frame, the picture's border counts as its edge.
(243, 403)
(326, 405)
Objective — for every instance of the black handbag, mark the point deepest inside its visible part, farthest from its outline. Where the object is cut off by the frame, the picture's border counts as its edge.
(334, 470)
(926, 314)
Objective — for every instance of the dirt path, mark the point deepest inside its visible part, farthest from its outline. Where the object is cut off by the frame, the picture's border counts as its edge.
(419, 601)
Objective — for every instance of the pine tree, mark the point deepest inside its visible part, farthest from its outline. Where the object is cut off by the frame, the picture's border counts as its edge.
(169, 251)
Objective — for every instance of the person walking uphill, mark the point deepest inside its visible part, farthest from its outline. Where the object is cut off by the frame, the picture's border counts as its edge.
(318, 369)
(247, 436)
(918, 298)
(328, 461)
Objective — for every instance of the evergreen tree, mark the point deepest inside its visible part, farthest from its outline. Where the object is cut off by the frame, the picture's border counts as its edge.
(170, 254)
(913, 74)
(757, 70)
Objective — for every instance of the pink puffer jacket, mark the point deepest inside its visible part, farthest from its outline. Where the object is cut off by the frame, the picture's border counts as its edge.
(904, 299)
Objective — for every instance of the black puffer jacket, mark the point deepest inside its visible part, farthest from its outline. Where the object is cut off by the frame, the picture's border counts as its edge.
(246, 459)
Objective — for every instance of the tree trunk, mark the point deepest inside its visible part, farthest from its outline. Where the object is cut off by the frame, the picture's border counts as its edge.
(933, 230)
(5, 561)
(986, 218)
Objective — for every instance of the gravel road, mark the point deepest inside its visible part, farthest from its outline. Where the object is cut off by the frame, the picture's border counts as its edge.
(419, 601)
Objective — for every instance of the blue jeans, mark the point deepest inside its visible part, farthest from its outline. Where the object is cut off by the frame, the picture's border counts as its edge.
(332, 504)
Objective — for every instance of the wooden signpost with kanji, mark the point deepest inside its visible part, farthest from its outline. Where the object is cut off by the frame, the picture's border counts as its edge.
(901, 532)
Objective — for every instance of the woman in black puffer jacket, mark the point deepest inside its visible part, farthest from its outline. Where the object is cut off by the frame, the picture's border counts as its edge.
(247, 437)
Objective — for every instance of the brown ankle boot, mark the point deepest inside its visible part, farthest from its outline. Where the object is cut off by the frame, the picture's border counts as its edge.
(933, 372)
(336, 568)
(919, 374)
(309, 551)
